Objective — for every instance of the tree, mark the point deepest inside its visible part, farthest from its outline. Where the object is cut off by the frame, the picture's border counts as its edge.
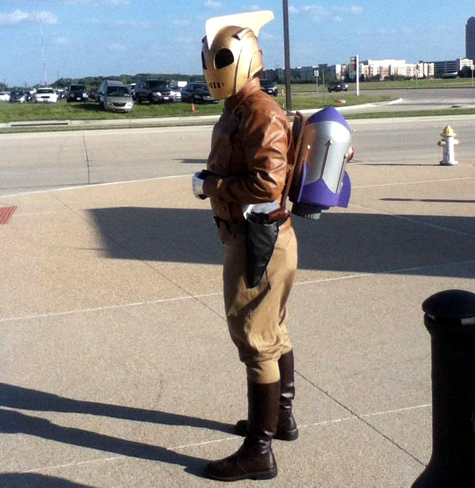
(465, 72)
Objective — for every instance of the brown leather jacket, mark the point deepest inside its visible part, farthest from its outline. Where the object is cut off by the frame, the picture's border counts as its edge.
(249, 150)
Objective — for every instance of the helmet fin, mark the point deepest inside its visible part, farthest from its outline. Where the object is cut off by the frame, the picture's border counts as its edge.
(253, 20)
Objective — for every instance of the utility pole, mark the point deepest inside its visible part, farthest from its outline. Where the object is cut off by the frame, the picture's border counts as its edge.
(288, 95)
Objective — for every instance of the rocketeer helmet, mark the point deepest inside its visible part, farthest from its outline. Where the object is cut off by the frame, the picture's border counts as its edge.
(230, 52)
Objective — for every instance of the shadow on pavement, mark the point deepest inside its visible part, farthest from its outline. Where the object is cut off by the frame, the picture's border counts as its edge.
(34, 480)
(193, 161)
(13, 396)
(339, 241)
(12, 422)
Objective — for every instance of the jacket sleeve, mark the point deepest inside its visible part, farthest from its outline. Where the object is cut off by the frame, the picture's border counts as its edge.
(265, 140)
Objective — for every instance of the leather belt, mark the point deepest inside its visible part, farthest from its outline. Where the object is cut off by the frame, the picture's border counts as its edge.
(239, 227)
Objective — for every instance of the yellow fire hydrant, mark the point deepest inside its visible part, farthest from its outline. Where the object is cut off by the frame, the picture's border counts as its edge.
(448, 143)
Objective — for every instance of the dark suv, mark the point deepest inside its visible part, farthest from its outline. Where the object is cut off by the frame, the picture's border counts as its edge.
(197, 93)
(153, 91)
(77, 93)
(269, 87)
(337, 86)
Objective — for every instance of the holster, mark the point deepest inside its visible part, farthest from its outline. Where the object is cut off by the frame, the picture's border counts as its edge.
(262, 231)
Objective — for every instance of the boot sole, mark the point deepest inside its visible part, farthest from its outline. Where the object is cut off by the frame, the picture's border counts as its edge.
(263, 475)
(289, 436)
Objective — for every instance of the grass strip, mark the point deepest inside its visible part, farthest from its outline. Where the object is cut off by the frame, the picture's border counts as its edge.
(13, 112)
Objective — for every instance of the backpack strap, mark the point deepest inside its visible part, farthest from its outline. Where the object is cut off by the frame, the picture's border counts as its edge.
(298, 127)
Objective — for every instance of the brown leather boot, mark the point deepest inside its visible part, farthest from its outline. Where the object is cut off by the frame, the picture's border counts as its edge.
(287, 428)
(254, 459)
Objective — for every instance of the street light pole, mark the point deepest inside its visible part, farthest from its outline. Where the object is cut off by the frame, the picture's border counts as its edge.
(288, 95)
(43, 52)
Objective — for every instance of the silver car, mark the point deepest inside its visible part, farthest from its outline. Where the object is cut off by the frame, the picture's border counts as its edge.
(114, 96)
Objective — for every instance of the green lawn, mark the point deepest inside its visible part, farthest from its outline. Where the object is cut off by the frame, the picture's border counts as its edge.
(13, 112)
(392, 85)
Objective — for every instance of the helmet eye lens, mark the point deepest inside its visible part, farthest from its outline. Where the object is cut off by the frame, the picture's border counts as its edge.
(203, 61)
(224, 57)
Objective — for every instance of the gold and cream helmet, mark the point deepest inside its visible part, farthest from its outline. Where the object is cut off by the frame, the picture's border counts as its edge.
(230, 52)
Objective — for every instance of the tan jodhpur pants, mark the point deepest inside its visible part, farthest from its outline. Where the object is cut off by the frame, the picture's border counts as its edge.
(257, 316)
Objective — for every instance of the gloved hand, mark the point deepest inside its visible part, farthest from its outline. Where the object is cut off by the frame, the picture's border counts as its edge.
(198, 181)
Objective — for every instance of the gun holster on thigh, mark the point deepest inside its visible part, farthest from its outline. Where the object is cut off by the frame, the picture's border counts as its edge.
(262, 231)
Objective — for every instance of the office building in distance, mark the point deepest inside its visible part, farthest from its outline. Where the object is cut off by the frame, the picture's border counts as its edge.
(470, 38)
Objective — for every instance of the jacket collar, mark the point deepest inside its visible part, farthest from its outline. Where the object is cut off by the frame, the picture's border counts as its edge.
(232, 103)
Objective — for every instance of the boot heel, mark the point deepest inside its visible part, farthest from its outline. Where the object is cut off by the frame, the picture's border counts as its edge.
(290, 435)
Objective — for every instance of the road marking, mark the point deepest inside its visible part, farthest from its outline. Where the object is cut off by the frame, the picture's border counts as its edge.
(234, 437)
(217, 294)
(6, 214)
(413, 182)
(415, 220)
(93, 185)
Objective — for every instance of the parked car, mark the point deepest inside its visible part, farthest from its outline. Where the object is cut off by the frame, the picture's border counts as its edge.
(4, 96)
(153, 91)
(337, 86)
(269, 87)
(114, 96)
(45, 94)
(176, 93)
(77, 93)
(18, 96)
(132, 88)
(197, 93)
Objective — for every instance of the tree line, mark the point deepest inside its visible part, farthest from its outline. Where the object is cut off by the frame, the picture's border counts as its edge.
(93, 82)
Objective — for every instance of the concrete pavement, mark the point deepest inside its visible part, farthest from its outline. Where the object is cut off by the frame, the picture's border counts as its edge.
(117, 369)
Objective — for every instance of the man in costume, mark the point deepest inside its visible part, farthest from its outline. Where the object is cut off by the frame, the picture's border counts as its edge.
(250, 158)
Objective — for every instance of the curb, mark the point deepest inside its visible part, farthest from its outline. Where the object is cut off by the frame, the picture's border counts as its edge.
(189, 120)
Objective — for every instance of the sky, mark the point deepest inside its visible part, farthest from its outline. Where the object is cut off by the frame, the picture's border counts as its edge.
(112, 37)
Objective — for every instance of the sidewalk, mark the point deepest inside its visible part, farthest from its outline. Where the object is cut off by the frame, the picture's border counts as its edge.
(117, 369)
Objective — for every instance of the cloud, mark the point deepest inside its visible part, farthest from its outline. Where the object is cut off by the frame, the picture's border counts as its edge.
(293, 10)
(337, 14)
(20, 17)
(132, 24)
(92, 21)
(265, 36)
(113, 3)
(317, 12)
(136, 24)
(186, 40)
(117, 47)
(61, 41)
(212, 5)
(181, 22)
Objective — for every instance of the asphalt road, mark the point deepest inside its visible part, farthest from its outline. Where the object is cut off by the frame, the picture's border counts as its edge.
(32, 162)
(425, 99)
